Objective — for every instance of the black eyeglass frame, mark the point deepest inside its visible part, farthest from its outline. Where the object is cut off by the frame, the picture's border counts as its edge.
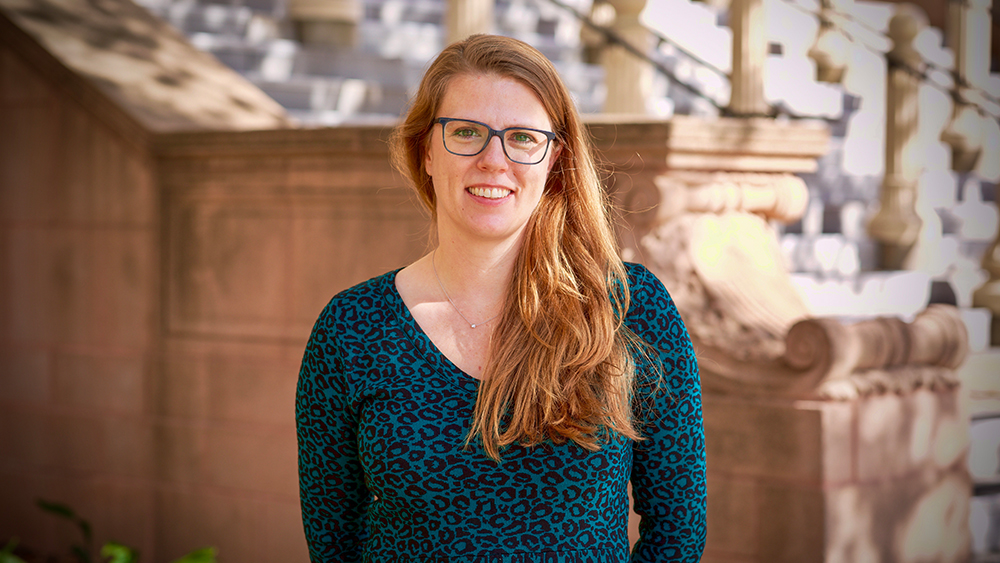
(549, 136)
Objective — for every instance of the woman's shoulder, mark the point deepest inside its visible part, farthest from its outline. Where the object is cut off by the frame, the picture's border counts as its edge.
(652, 312)
(637, 273)
(359, 303)
(644, 287)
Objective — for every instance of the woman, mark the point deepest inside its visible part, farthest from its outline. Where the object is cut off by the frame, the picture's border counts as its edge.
(493, 400)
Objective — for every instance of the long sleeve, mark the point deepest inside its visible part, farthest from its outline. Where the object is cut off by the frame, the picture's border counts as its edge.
(668, 472)
(331, 482)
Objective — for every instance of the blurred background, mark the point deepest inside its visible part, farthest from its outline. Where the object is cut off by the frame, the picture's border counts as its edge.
(185, 183)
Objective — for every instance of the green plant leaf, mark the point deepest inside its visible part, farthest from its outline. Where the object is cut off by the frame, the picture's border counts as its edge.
(203, 555)
(119, 553)
(11, 544)
(56, 508)
(64, 511)
(85, 528)
(81, 554)
(7, 553)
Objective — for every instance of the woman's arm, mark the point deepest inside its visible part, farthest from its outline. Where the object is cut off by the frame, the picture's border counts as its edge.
(331, 482)
(668, 473)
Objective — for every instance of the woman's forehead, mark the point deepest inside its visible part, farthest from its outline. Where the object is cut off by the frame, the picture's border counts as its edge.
(498, 101)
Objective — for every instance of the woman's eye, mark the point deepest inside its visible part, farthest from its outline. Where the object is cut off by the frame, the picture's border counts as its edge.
(522, 137)
(466, 133)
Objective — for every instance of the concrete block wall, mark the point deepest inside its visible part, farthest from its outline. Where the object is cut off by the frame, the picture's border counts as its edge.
(79, 314)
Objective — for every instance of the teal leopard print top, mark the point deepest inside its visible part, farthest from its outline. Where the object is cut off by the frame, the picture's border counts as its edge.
(383, 476)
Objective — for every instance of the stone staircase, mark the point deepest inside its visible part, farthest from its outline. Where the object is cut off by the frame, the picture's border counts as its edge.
(323, 85)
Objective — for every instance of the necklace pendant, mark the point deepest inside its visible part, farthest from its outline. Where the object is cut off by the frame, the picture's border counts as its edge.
(448, 297)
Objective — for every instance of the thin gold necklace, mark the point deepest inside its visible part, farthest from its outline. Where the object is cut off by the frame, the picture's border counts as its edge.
(448, 297)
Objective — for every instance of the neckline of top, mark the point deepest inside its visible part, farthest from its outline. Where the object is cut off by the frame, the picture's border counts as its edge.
(416, 334)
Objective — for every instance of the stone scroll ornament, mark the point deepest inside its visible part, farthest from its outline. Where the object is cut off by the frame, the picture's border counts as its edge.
(714, 250)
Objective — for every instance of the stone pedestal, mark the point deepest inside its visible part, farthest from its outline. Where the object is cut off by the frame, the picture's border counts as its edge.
(827, 441)
(878, 479)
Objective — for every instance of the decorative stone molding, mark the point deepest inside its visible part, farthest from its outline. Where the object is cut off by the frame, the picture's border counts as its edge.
(879, 355)
(824, 358)
(725, 274)
(699, 220)
(745, 145)
(720, 259)
(701, 224)
(782, 197)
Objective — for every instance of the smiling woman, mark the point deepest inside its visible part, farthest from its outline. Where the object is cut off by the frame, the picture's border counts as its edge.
(493, 400)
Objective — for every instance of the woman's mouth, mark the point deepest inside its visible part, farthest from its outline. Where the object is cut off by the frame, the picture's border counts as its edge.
(489, 193)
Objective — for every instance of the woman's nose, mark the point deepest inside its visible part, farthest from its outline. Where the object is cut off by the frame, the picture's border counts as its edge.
(493, 155)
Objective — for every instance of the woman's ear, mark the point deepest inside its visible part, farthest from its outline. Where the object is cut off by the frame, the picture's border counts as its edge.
(556, 150)
(428, 160)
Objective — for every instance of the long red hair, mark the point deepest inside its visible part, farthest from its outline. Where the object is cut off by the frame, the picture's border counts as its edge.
(561, 361)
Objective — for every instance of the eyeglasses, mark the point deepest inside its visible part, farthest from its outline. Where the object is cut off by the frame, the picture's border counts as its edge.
(522, 145)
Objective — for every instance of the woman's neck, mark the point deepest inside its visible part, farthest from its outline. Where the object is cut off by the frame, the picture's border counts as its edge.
(475, 274)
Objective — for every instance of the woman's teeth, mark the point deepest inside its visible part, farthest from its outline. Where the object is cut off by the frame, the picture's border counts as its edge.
(490, 193)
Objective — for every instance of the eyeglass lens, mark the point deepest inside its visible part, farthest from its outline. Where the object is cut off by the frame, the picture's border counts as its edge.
(468, 138)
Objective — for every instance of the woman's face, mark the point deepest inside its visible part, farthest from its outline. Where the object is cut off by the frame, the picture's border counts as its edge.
(487, 196)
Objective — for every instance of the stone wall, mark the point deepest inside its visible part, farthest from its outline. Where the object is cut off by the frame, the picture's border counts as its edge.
(260, 231)
(79, 311)
(157, 293)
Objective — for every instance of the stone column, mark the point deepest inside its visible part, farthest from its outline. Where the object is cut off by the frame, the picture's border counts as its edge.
(968, 35)
(988, 294)
(326, 22)
(628, 78)
(830, 51)
(468, 17)
(896, 225)
(749, 55)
